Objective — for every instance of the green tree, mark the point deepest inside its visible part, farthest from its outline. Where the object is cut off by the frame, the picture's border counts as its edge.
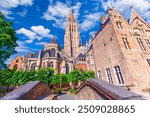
(64, 78)
(45, 75)
(73, 77)
(87, 74)
(5, 79)
(7, 41)
(56, 79)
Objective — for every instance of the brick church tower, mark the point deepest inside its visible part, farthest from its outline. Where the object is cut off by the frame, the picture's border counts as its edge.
(72, 37)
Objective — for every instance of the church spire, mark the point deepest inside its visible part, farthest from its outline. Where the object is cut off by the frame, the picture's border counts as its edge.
(72, 37)
(70, 16)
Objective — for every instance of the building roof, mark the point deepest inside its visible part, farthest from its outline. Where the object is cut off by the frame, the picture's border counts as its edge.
(113, 91)
(54, 40)
(81, 56)
(134, 15)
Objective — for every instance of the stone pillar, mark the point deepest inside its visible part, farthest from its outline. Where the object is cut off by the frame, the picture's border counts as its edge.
(38, 61)
(63, 70)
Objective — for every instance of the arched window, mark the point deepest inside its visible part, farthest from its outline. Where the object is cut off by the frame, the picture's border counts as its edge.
(67, 68)
(46, 54)
(33, 66)
(58, 55)
(15, 67)
(17, 61)
(44, 65)
(53, 52)
(51, 64)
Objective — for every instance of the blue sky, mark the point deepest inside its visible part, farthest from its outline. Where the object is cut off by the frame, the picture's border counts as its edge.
(37, 21)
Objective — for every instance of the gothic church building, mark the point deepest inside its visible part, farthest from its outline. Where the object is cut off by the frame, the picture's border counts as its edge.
(118, 53)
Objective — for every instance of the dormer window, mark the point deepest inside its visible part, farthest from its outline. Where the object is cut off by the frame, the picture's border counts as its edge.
(119, 25)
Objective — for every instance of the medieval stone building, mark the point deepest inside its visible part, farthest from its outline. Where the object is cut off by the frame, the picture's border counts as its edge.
(63, 61)
(118, 53)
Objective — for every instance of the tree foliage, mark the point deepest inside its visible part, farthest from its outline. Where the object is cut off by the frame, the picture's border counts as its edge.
(7, 41)
(74, 76)
(18, 78)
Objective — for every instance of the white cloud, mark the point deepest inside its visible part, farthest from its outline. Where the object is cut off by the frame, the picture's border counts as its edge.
(44, 32)
(141, 6)
(6, 5)
(21, 47)
(40, 43)
(26, 32)
(36, 32)
(29, 41)
(58, 13)
(90, 21)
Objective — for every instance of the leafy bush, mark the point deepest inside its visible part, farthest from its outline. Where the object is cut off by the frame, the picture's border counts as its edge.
(74, 76)
(72, 91)
(87, 74)
(18, 78)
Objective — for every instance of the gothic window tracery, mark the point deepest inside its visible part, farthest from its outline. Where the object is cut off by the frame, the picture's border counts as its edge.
(53, 52)
(46, 54)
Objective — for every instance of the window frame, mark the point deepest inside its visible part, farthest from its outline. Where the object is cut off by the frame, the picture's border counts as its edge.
(141, 44)
(119, 25)
(126, 43)
(99, 74)
(118, 75)
(109, 75)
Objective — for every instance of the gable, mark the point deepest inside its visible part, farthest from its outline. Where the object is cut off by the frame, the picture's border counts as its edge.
(136, 17)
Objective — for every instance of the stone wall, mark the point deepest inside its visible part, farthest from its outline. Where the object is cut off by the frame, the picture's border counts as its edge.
(30, 91)
(109, 50)
(96, 89)
(88, 93)
(16, 62)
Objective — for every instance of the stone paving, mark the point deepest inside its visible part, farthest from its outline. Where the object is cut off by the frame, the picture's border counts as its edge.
(66, 97)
